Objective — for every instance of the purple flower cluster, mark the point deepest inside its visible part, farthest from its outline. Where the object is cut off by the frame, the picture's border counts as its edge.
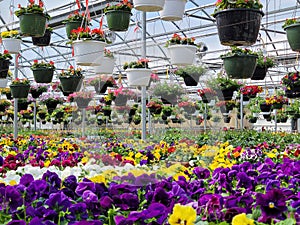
(269, 187)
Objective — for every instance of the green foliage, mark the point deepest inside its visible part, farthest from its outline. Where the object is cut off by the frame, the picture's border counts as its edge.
(229, 4)
(222, 82)
(190, 70)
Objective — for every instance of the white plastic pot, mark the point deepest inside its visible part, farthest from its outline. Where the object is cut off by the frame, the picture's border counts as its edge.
(138, 77)
(173, 10)
(12, 45)
(148, 5)
(3, 83)
(106, 66)
(88, 52)
(182, 54)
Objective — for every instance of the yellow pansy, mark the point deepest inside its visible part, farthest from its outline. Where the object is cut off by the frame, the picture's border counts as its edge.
(84, 160)
(98, 179)
(242, 219)
(47, 163)
(182, 215)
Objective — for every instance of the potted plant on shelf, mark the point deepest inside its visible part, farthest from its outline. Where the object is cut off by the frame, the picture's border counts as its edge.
(118, 15)
(224, 86)
(71, 79)
(42, 113)
(169, 92)
(101, 83)
(136, 119)
(238, 22)
(33, 19)
(37, 90)
(250, 91)
(74, 21)
(173, 10)
(82, 98)
(20, 88)
(263, 63)
(276, 101)
(11, 41)
(182, 50)
(43, 71)
(155, 106)
(190, 74)
(44, 40)
(107, 64)
(51, 100)
(239, 63)
(4, 67)
(88, 46)
(292, 29)
(149, 5)
(4, 104)
(291, 84)
(138, 72)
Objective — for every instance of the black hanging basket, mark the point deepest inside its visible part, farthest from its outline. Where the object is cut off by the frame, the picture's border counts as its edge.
(101, 87)
(226, 94)
(42, 41)
(4, 66)
(191, 80)
(259, 73)
(239, 26)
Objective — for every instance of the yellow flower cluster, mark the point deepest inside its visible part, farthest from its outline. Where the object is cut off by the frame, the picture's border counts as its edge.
(10, 34)
(221, 159)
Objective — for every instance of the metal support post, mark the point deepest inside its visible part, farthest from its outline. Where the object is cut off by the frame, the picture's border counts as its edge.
(144, 87)
(16, 101)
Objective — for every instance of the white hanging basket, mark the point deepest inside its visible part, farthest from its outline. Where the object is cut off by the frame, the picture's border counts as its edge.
(106, 66)
(138, 76)
(3, 83)
(88, 52)
(173, 10)
(148, 5)
(182, 54)
(12, 45)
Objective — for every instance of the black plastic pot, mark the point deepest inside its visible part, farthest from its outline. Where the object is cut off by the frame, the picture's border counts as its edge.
(191, 80)
(4, 66)
(259, 73)
(239, 26)
(264, 107)
(226, 94)
(42, 41)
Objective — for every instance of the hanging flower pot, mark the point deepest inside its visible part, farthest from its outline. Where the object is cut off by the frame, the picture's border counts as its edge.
(43, 41)
(73, 25)
(238, 26)
(74, 21)
(19, 90)
(182, 54)
(138, 77)
(71, 80)
(11, 41)
(106, 66)
(149, 5)
(4, 67)
(82, 103)
(70, 84)
(173, 10)
(292, 33)
(12, 45)
(239, 63)
(43, 75)
(22, 104)
(190, 74)
(88, 52)
(33, 24)
(118, 16)
(259, 73)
